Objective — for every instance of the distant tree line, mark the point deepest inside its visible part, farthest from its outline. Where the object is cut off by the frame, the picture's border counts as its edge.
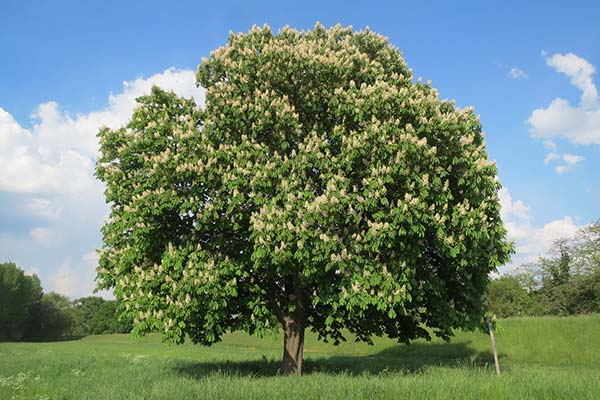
(29, 314)
(565, 282)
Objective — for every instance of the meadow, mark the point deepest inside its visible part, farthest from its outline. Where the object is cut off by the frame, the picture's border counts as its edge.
(541, 358)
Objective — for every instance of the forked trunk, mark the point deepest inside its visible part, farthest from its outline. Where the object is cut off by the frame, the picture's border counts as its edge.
(293, 343)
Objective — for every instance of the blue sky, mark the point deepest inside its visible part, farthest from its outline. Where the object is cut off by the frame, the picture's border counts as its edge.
(68, 66)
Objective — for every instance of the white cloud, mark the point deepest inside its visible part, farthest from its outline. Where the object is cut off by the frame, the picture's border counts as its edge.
(550, 145)
(77, 280)
(580, 71)
(49, 169)
(561, 169)
(517, 73)
(45, 236)
(579, 124)
(530, 241)
(57, 154)
(42, 207)
(570, 161)
(79, 133)
(512, 208)
(561, 119)
(67, 281)
(551, 157)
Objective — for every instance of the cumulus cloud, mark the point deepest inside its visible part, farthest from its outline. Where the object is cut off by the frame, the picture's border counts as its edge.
(579, 124)
(561, 169)
(57, 154)
(517, 73)
(77, 279)
(569, 162)
(550, 145)
(568, 159)
(49, 168)
(56, 131)
(551, 157)
(572, 159)
(43, 208)
(74, 279)
(530, 241)
(512, 208)
(580, 71)
(45, 236)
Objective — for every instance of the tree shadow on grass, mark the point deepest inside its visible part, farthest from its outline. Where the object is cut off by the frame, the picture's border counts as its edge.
(407, 359)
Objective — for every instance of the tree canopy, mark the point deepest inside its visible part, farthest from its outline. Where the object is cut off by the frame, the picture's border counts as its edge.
(29, 314)
(567, 280)
(95, 316)
(320, 186)
(19, 296)
(508, 298)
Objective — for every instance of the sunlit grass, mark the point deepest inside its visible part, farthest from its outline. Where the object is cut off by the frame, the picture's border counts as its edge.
(541, 358)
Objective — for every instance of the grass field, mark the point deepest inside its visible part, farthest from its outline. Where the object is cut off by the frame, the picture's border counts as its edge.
(541, 358)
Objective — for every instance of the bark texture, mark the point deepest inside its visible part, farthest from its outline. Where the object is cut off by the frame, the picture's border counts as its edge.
(293, 343)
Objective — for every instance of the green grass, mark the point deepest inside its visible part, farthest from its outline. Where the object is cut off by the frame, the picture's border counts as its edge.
(541, 358)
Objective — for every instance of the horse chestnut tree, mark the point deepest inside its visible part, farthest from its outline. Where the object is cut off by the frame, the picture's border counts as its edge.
(320, 186)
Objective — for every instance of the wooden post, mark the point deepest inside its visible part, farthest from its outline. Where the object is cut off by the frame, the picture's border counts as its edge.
(493, 339)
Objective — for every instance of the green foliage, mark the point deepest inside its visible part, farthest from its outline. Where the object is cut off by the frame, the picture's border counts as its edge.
(28, 314)
(585, 250)
(508, 298)
(566, 282)
(49, 319)
(570, 275)
(320, 182)
(94, 316)
(19, 296)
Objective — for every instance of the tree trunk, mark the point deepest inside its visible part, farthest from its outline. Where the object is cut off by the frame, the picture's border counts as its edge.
(293, 343)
